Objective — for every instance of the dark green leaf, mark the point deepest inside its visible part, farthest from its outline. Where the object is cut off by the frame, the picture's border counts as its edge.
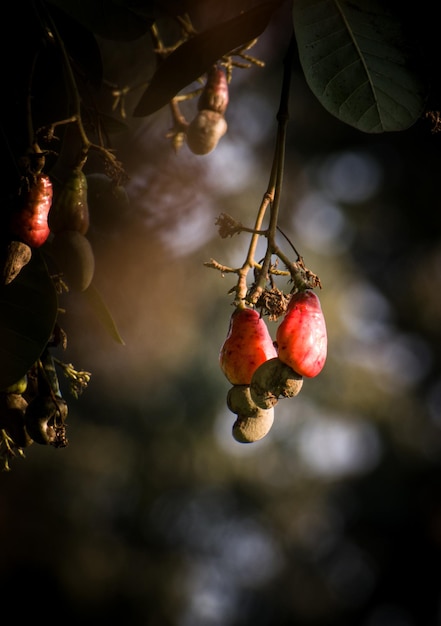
(359, 63)
(195, 56)
(28, 311)
(81, 46)
(107, 18)
(102, 312)
(112, 125)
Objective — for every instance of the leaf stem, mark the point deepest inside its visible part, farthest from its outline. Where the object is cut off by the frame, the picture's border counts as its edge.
(300, 275)
(241, 289)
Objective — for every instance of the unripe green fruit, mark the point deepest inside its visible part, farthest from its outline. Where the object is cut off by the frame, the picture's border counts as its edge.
(69, 210)
(251, 429)
(74, 256)
(239, 401)
(273, 380)
(204, 132)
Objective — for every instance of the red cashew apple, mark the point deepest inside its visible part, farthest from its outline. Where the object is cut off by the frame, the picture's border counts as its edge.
(248, 344)
(301, 337)
(30, 221)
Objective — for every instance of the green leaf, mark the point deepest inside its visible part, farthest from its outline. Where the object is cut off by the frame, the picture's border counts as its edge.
(196, 55)
(102, 312)
(28, 312)
(359, 63)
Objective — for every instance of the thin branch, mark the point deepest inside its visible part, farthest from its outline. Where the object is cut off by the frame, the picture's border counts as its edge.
(276, 178)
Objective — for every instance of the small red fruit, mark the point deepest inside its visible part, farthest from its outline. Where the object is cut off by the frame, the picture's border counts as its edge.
(301, 337)
(209, 125)
(30, 221)
(248, 344)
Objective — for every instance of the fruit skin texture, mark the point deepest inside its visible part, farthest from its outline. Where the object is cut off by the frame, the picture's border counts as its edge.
(15, 256)
(248, 344)
(30, 221)
(251, 429)
(274, 380)
(70, 210)
(209, 125)
(74, 257)
(214, 96)
(205, 131)
(301, 337)
(239, 401)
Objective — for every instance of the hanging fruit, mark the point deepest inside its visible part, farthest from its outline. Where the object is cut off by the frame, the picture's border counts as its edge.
(252, 429)
(46, 413)
(70, 209)
(301, 337)
(73, 254)
(15, 256)
(274, 380)
(45, 418)
(204, 132)
(252, 422)
(214, 96)
(239, 401)
(206, 129)
(248, 344)
(29, 221)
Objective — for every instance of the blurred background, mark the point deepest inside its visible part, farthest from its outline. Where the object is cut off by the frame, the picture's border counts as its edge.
(153, 515)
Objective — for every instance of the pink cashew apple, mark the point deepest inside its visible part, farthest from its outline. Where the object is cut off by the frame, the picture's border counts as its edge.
(248, 344)
(301, 337)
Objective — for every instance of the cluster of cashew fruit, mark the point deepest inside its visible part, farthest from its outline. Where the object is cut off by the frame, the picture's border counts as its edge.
(59, 220)
(55, 220)
(262, 371)
(27, 226)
